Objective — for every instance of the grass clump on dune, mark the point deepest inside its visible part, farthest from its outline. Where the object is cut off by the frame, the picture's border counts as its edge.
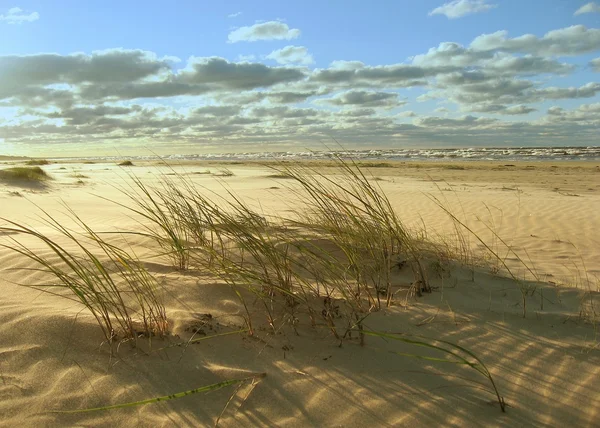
(24, 174)
(165, 217)
(279, 176)
(37, 162)
(116, 289)
(125, 163)
(79, 175)
(277, 256)
(356, 217)
(363, 164)
(330, 262)
(224, 172)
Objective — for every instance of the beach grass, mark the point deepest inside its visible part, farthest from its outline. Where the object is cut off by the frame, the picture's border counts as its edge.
(452, 353)
(24, 174)
(224, 172)
(37, 162)
(281, 262)
(122, 296)
(329, 261)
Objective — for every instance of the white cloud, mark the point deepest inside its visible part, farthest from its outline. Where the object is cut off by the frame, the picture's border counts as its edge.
(588, 90)
(569, 41)
(595, 64)
(346, 65)
(238, 76)
(459, 8)
(520, 109)
(584, 113)
(462, 122)
(590, 7)
(16, 15)
(30, 80)
(355, 73)
(246, 58)
(555, 111)
(494, 95)
(111, 65)
(289, 97)
(291, 55)
(499, 63)
(272, 30)
(234, 15)
(364, 98)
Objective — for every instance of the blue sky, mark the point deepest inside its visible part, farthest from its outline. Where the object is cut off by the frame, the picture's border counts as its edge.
(198, 76)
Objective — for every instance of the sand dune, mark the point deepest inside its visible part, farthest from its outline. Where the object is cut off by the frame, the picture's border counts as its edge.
(546, 365)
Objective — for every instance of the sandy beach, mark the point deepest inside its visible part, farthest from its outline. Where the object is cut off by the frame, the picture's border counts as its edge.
(540, 217)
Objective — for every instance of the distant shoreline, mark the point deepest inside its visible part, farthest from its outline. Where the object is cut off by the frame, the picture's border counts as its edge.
(500, 154)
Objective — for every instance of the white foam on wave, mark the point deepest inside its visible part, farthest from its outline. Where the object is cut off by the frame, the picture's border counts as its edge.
(589, 153)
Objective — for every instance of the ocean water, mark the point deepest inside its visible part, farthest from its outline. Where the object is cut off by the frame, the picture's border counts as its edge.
(590, 153)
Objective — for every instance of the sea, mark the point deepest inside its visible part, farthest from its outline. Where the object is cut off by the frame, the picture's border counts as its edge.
(530, 154)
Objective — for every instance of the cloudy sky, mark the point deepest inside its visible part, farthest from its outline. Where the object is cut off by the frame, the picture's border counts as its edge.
(196, 76)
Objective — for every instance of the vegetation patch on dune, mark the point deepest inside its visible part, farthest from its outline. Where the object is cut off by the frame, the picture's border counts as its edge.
(37, 162)
(339, 255)
(224, 172)
(24, 174)
(111, 283)
(79, 175)
(375, 165)
(280, 176)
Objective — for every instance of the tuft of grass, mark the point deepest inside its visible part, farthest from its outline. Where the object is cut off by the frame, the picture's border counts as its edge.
(37, 162)
(24, 174)
(224, 172)
(266, 257)
(452, 166)
(171, 216)
(79, 175)
(125, 163)
(279, 176)
(275, 258)
(108, 281)
(355, 215)
(375, 165)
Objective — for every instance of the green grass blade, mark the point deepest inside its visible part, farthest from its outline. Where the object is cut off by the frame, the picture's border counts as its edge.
(424, 341)
(207, 388)
(423, 357)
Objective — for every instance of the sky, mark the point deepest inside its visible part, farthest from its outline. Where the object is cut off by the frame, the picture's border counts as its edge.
(141, 77)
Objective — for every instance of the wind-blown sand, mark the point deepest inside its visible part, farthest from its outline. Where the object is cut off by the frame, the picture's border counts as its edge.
(546, 365)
